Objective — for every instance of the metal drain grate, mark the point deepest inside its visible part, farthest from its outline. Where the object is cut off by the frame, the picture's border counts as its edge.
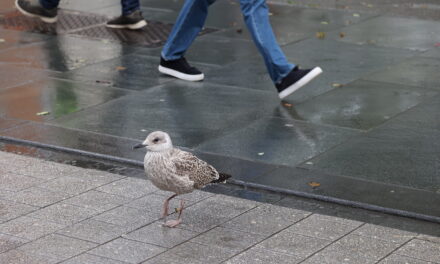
(92, 26)
(67, 21)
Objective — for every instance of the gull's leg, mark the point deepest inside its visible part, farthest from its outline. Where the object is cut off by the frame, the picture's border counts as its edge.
(174, 223)
(165, 206)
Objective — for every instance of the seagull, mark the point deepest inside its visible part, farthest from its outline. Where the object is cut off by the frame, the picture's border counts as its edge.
(174, 170)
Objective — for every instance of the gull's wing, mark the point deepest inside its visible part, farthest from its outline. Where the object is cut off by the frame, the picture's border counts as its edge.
(198, 171)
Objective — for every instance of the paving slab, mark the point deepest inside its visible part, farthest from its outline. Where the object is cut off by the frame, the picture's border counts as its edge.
(16, 182)
(394, 32)
(72, 185)
(182, 109)
(418, 71)
(154, 203)
(10, 210)
(290, 142)
(420, 249)
(361, 104)
(56, 247)
(29, 228)
(266, 220)
(56, 97)
(93, 231)
(91, 259)
(127, 250)
(384, 233)
(63, 213)
(260, 255)
(127, 217)
(61, 54)
(129, 187)
(20, 257)
(397, 259)
(13, 39)
(349, 250)
(8, 242)
(13, 76)
(157, 234)
(99, 201)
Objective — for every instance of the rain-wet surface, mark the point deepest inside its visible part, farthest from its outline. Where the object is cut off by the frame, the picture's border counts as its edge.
(367, 130)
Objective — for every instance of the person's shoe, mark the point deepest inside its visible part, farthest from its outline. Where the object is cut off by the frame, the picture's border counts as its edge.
(296, 79)
(180, 69)
(135, 20)
(33, 8)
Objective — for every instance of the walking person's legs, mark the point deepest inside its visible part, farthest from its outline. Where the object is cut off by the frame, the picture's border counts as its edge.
(190, 22)
(130, 18)
(46, 10)
(286, 76)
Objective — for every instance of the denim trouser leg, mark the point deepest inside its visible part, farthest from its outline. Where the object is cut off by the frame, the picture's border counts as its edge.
(188, 25)
(256, 17)
(129, 6)
(49, 4)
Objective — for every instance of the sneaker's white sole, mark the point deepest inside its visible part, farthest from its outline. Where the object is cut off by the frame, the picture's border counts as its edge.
(45, 19)
(179, 75)
(138, 25)
(303, 81)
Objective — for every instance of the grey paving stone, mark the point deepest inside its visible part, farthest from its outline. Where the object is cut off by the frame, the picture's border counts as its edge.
(156, 234)
(258, 255)
(398, 259)
(57, 247)
(93, 231)
(315, 226)
(421, 249)
(62, 213)
(20, 257)
(29, 228)
(128, 217)
(195, 253)
(127, 250)
(290, 243)
(361, 104)
(228, 238)
(417, 71)
(288, 145)
(71, 185)
(8, 242)
(99, 201)
(167, 258)
(354, 249)
(10, 210)
(214, 211)
(45, 170)
(129, 187)
(434, 239)
(91, 259)
(16, 182)
(385, 233)
(153, 203)
(266, 219)
(394, 32)
(37, 196)
(96, 175)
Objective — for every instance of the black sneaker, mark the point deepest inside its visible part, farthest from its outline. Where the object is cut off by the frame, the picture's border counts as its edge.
(296, 79)
(180, 69)
(134, 20)
(33, 8)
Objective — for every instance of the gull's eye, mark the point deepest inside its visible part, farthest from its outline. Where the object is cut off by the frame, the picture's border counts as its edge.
(155, 140)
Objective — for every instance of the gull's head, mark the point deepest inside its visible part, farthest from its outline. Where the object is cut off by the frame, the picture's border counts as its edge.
(156, 141)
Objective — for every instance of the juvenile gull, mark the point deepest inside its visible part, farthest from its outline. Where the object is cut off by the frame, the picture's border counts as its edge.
(175, 170)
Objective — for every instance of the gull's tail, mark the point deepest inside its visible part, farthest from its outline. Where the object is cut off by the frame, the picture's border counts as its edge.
(222, 178)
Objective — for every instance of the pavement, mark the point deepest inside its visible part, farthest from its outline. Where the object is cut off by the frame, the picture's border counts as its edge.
(57, 213)
(364, 134)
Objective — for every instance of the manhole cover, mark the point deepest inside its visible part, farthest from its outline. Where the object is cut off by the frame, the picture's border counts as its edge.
(67, 21)
(92, 26)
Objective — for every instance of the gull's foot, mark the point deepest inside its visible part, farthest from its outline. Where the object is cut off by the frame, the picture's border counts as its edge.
(172, 223)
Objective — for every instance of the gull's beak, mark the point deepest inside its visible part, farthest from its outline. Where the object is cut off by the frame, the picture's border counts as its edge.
(139, 146)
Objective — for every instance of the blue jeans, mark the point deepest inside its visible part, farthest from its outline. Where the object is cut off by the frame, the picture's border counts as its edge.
(128, 6)
(256, 16)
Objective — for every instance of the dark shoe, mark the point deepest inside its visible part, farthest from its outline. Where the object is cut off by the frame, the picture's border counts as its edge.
(33, 8)
(134, 20)
(180, 69)
(296, 79)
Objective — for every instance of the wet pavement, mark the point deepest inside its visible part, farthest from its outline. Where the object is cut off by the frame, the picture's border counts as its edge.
(366, 132)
